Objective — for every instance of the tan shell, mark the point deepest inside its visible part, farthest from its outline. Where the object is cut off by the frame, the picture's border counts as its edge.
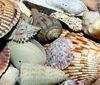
(4, 59)
(9, 15)
(86, 60)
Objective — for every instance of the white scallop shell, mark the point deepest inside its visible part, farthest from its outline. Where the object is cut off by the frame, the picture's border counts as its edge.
(4, 59)
(23, 32)
(9, 78)
(27, 53)
(74, 23)
(70, 6)
(31, 74)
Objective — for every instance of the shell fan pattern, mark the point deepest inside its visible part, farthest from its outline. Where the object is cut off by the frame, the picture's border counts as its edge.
(9, 16)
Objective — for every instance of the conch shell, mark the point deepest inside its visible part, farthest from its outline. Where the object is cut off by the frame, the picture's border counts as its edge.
(31, 74)
(50, 28)
(91, 24)
(70, 6)
(28, 52)
(86, 58)
(9, 78)
(9, 16)
(4, 59)
(74, 23)
(59, 53)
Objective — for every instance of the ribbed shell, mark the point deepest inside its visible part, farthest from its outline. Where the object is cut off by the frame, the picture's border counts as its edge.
(51, 28)
(86, 58)
(9, 15)
(4, 59)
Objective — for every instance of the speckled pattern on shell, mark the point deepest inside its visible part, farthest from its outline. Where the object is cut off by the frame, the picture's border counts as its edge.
(59, 53)
(9, 15)
(4, 59)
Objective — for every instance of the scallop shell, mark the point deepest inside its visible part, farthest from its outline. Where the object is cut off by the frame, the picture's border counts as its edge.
(4, 59)
(86, 58)
(59, 53)
(91, 24)
(31, 74)
(9, 78)
(24, 32)
(70, 6)
(28, 52)
(74, 23)
(9, 16)
(51, 28)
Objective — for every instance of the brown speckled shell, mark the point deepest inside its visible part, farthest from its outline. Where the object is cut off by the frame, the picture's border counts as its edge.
(9, 15)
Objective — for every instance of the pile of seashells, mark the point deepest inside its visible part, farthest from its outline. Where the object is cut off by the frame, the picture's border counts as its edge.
(49, 42)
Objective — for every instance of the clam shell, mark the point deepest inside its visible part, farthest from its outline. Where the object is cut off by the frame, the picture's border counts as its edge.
(24, 32)
(9, 15)
(74, 23)
(27, 53)
(50, 28)
(91, 24)
(31, 74)
(73, 7)
(4, 59)
(9, 78)
(84, 63)
(59, 53)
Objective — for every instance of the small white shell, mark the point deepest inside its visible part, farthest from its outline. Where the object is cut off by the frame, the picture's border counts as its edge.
(9, 78)
(31, 74)
(24, 32)
(70, 6)
(74, 23)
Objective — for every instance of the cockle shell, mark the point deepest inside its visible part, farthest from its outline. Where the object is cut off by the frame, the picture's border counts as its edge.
(9, 16)
(86, 58)
(31, 74)
(70, 6)
(91, 24)
(9, 78)
(27, 53)
(74, 23)
(50, 28)
(4, 59)
(59, 53)
(24, 32)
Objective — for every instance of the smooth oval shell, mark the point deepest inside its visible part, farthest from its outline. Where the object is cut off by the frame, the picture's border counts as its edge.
(4, 59)
(9, 77)
(9, 16)
(27, 53)
(31, 74)
(50, 28)
(59, 53)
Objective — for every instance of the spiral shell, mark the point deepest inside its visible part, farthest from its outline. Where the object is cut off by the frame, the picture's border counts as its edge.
(51, 28)
(59, 53)
(91, 24)
(74, 23)
(31, 74)
(4, 59)
(9, 15)
(86, 58)
(9, 78)
(23, 32)
(27, 52)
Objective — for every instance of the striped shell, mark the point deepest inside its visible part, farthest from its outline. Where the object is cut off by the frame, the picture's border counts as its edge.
(74, 23)
(9, 15)
(9, 78)
(51, 28)
(23, 32)
(4, 59)
(59, 53)
(27, 52)
(31, 74)
(86, 57)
